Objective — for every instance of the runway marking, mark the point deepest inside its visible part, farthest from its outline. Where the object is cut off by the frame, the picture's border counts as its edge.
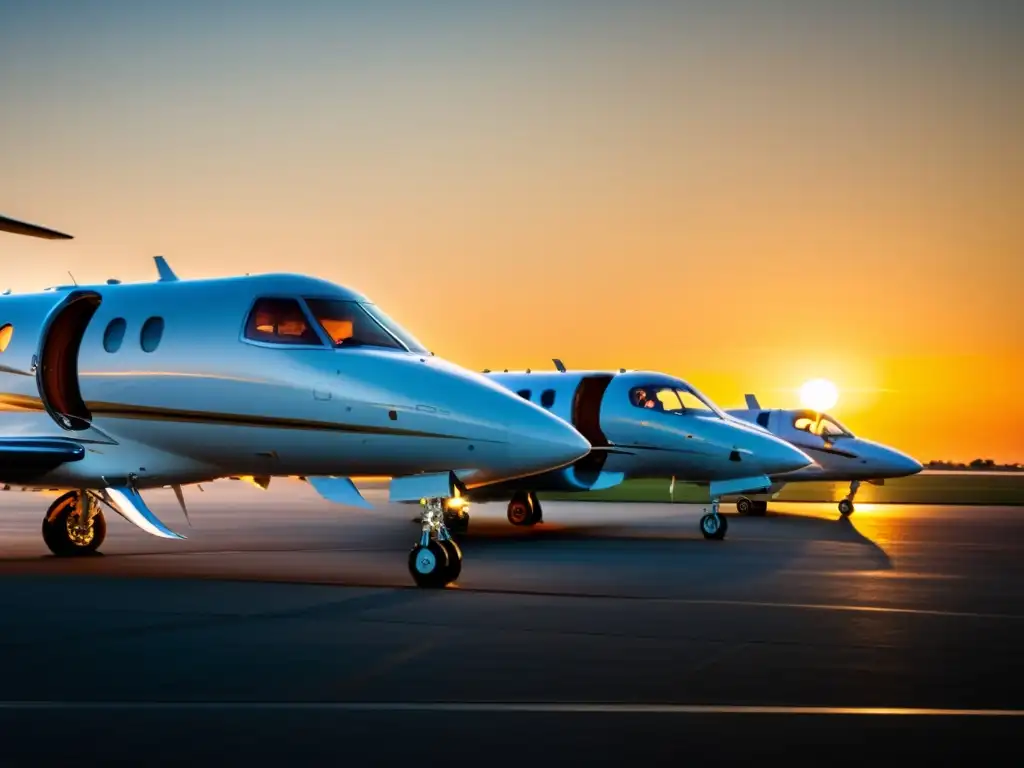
(502, 707)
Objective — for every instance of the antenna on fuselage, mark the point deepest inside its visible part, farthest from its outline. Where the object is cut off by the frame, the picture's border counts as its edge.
(752, 403)
(72, 278)
(164, 270)
(558, 364)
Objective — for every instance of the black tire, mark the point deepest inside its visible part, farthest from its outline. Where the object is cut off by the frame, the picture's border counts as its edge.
(454, 560)
(846, 507)
(744, 506)
(520, 511)
(58, 535)
(538, 512)
(759, 508)
(428, 565)
(710, 530)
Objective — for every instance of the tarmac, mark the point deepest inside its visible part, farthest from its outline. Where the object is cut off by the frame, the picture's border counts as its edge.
(286, 628)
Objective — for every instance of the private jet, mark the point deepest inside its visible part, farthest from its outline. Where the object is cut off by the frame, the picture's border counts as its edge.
(837, 452)
(640, 424)
(109, 390)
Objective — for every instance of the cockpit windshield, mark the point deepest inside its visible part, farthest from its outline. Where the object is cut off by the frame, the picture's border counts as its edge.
(678, 399)
(349, 324)
(396, 330)
(820, 424)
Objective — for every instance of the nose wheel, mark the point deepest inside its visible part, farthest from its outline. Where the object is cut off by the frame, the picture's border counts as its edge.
(846, 505)
(436, 561)
(524, 509)
(713, 525)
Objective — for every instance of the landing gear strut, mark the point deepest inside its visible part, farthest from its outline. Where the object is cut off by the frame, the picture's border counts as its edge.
(74, 525)
(713, 525)
(747, 506)
(524, 509)
(436, 560)
(846, 505)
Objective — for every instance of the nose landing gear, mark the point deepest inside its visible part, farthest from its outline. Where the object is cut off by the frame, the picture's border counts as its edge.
(846, 505)
(524, 509)
(436, 561)
(713, 525)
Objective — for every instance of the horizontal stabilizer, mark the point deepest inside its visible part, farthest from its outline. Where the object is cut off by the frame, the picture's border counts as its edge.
(437, 485)
(129, 504)
(740, 485)
(30, 230)
(340, 490)
(752, 403)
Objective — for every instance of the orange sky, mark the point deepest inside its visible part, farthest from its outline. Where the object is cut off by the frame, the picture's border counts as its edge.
(745, 198)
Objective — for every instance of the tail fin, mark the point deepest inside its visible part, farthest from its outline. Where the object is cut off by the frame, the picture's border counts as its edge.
(752, 403)
(30, 230)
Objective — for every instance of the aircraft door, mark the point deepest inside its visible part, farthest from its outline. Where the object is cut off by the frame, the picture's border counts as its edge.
(57, 359)
(586, 417)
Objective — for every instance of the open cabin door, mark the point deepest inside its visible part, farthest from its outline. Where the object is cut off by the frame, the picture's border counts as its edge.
(57, 369)
(586, 417)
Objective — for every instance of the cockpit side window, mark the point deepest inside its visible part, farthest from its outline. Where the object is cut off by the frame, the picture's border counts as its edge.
(280, 321)
(348, 324)
(656, 398)
(829, 428)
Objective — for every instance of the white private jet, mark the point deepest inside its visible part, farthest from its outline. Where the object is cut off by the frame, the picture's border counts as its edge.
(109, 390)
(838, 453)
(641, 424)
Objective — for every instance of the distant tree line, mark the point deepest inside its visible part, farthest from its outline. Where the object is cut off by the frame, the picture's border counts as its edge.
(978, 465)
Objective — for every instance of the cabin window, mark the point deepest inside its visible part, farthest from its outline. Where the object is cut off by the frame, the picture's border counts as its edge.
(547, 398)
(6, 332)
(524, 393)
(152, 332)
(348, 324)
(280, 321)
(114, 335)
(762, 418)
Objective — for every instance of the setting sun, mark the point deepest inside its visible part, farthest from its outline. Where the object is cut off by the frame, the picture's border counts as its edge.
(819, 394)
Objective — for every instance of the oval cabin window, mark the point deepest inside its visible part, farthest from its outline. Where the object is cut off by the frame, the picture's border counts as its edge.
(152, 332)
(114, 335)
(6, 332)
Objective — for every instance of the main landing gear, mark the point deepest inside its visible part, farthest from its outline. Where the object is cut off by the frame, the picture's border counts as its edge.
(713, 525)
(747, 506)
(846, 505)
(74, 525)
(437, 560)
(525, 509)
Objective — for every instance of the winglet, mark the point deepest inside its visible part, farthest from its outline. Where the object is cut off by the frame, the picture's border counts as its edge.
(558, 364)
(752, 403)
(164, 269)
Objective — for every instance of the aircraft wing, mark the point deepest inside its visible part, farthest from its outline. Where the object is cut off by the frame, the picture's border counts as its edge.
(30, 230)
(26, 457)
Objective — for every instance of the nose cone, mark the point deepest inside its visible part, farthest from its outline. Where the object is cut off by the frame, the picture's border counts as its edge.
(539, 441)
(900, 464)
(775, 456)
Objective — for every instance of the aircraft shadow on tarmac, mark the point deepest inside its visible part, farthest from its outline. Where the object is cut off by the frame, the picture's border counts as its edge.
(788, 536)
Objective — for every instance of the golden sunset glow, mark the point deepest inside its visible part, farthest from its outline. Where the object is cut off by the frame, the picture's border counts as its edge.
(819, 395)
(747, 199)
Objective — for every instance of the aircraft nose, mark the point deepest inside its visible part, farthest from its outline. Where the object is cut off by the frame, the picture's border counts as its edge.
(904, 464)
(776, 456)
(539, 441)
